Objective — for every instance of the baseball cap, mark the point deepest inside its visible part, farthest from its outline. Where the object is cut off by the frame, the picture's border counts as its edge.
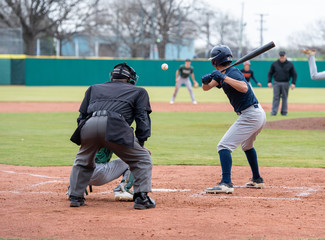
(187, 60)
(282, 53)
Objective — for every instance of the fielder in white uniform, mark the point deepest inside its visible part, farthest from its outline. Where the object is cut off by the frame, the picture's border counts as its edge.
(312, 65)
(249, 124)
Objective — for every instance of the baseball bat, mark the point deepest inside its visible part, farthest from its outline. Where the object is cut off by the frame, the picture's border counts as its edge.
(252, 54)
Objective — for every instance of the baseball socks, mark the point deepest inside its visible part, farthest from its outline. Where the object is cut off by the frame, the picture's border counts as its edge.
(226, 163)
(256, 181)
(252, 160)
(225, 186)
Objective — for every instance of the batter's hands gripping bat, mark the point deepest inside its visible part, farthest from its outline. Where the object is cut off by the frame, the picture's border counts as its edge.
(252, 54)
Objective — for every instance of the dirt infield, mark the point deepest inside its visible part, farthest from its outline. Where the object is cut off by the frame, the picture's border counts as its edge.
(34, 205)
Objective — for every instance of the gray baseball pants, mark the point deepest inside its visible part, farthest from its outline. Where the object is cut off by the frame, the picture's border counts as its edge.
(245, 130)
(187, 83)
(93, 138)
(107, 172)
(280, 91)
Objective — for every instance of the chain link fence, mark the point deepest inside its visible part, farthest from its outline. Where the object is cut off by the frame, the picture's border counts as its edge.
(11, 41)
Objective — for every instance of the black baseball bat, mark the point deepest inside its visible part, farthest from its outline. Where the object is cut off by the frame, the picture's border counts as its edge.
(252, 54)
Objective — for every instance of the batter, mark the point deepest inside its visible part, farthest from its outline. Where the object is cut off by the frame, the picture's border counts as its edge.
(249, 124)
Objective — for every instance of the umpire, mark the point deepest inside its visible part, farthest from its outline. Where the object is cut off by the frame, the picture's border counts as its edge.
(106, 114)
(282, 70)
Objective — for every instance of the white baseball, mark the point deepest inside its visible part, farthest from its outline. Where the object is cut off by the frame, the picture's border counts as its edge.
(164, 66)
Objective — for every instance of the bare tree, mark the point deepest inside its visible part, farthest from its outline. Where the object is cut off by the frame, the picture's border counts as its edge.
(216, 28)
(313, 38)
(126, 26)
(172, 23)
(138, 25)
(39, 18)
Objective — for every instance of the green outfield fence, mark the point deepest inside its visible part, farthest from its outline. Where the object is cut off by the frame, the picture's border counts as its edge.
(60, 71)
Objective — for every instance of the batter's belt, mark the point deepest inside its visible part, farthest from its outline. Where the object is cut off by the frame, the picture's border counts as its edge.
(241, 112)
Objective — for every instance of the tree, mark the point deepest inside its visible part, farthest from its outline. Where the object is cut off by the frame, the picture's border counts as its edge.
(139, 25)
(313, 38)
(39, 18)
(172, 23)
(126, 27)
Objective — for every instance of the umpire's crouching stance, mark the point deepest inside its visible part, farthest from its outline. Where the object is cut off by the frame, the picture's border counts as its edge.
(106, 113)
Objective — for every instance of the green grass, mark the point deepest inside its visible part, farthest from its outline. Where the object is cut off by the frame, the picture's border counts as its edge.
(42, 139)
(157, 94)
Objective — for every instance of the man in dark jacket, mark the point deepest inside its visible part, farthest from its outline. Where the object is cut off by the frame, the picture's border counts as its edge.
(282, 70)
(106, 114)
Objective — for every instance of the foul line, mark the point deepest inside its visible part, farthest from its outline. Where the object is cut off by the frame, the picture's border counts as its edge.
(303, 191)
(30, 174)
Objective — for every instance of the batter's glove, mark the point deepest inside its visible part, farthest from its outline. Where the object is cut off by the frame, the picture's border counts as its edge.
(206, 79)
(218, 76)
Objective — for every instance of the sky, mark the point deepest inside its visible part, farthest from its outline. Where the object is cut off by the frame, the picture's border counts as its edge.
(281, 17)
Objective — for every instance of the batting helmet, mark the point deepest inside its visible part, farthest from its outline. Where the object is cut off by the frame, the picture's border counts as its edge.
(123, 71)
(220, 54)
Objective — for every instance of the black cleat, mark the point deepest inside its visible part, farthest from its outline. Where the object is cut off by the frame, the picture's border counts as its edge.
(76, 201)
(143, 201)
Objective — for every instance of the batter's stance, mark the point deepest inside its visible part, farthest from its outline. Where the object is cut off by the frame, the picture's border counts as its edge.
(249, 124)
(106, 114)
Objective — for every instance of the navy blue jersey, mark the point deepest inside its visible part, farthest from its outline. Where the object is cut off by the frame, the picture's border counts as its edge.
(240, 101)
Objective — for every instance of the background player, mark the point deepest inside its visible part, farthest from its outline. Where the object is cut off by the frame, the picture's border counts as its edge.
(249, 124)
(312, 65)
(248, 74)
(182, 77)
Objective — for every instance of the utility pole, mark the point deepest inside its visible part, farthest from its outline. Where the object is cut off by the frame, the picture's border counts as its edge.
(241, 29)
(261, 29)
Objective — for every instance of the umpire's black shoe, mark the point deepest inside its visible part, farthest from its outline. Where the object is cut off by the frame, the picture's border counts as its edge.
(76, 201)
(143, 201)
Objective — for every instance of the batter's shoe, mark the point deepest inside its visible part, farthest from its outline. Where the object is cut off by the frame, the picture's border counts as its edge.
(143, 201)
(255, 183)
(77, 201)
(222, 187)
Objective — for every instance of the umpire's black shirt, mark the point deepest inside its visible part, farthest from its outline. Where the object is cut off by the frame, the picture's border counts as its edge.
(126, 100)
(282, 72)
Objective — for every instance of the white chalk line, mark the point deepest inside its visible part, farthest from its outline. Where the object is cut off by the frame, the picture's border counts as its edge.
(305, 191)
(30, 174)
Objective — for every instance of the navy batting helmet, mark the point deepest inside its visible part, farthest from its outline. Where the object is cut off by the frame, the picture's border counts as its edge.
(123, 71)
(220, 54)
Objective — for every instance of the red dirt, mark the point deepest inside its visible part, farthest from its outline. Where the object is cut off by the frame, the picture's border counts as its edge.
(34, 204)
(156, 107)
(290, 207)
